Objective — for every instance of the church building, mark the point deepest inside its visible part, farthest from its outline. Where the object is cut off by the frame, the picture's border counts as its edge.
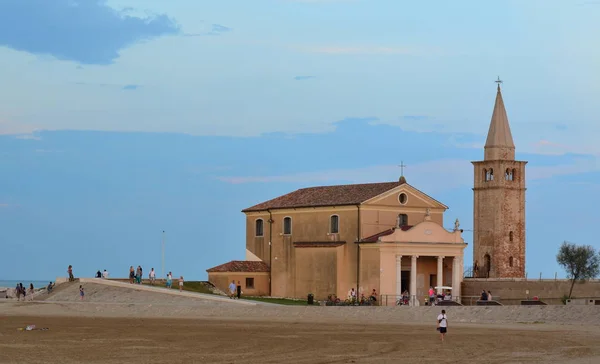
(386, 236)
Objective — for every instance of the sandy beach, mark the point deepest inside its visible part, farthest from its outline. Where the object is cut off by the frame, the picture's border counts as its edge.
(119, 325)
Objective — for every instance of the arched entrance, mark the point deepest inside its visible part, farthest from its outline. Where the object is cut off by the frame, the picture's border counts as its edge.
(487, 265)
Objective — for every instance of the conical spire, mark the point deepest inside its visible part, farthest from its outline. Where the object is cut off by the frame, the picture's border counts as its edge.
(499, 144)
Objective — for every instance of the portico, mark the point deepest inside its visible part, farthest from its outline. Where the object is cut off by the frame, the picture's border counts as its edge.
(414, 259)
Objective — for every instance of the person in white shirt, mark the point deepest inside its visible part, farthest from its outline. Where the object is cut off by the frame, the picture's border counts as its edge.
(105, 274)
(442, 324)
(152, 276)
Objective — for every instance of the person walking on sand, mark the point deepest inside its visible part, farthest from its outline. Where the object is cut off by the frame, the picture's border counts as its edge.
(70, 271)
(152, 277)
(81, 293)
(18, 292)
(239, 290)
(442, 324)
(169, 279)
(138, 274)
(131, 274)
(180, 283)
(31, 291)
(232, 289)
(141, 276)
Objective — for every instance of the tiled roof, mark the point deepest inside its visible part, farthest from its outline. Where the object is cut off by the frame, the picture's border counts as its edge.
(318, 244)
(241, 266)
(374, 238)
(340, 195)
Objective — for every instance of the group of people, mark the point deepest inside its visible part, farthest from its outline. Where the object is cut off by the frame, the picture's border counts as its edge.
(169, 280)
(435, 298)
(103, 275)
(486, 296)
(21, 291)
(135, 275)
(235, 290)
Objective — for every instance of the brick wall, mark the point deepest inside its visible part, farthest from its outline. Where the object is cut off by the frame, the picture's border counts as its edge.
(512, 291)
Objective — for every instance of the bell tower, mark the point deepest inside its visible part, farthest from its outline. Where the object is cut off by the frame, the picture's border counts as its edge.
(499, 203)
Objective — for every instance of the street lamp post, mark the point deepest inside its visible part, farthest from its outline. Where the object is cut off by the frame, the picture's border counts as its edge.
(163, 255)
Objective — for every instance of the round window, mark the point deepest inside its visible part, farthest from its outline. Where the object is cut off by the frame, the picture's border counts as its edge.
(402, 198)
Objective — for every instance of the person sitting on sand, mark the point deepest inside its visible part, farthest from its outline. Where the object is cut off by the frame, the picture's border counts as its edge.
(49, 288)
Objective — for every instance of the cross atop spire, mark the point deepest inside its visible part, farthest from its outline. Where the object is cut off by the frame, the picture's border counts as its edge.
(402, 166)
(499, 144)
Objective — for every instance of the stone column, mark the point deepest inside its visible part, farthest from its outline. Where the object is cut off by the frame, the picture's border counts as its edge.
(414, 301)
(455, 278)
(398, 276)
(440, 273)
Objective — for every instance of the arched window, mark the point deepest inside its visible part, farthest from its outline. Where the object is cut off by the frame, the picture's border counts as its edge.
(334, 224)
(287, 225)
(510, 261)
(514, 175)
(510, 236)
(508, 175)
(258, 229)
(402, 220)
(491, 174)
(485, 175)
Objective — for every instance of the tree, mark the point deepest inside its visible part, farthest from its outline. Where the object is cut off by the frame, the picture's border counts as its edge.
(581, 262)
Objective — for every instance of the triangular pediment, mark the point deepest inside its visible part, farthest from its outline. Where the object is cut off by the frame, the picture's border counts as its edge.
(414, 198)
(424, 232)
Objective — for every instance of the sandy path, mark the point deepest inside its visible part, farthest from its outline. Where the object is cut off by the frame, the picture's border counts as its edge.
(110, 340)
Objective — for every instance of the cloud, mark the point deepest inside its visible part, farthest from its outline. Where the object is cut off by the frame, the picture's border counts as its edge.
(303, 78)
(435, 176)
(551, 148)
(215, 29)
(87, 32)
(28, 137)
(127, 87)
(4, 205)
(12, 128)
(345, 50)
(321, 1)
(130, 87)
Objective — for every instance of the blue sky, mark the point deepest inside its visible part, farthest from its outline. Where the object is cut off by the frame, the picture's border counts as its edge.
(120, 119)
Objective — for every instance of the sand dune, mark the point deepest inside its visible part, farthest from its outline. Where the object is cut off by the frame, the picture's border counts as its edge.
(123, 325)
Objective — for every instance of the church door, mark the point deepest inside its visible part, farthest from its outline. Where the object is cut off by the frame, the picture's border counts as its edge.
(487, 265)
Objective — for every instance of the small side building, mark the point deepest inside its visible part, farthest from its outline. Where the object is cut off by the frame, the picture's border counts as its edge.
(253, 276)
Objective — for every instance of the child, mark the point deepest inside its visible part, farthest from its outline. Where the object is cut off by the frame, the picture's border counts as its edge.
(81, 293)
(180, 283)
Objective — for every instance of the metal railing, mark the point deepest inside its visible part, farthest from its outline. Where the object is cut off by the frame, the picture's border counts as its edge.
(411, 300)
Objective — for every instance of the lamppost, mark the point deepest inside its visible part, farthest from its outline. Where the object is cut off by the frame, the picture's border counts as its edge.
(163, 255)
